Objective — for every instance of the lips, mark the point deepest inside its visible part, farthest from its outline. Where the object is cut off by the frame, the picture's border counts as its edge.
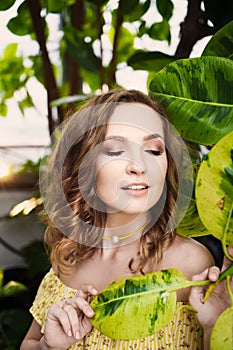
(135, 187)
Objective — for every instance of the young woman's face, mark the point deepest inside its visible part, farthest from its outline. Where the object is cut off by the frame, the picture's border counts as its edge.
(132, 163)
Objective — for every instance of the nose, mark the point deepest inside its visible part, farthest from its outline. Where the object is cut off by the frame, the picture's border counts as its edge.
(136, 164)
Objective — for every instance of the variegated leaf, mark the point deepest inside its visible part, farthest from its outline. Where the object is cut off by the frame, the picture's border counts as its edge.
(197, 94)
(214, 190)
(222, 333)
(136, 307)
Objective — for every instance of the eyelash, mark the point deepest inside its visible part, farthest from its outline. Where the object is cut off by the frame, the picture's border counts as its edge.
(154, 153)
(118, 153)
(114, 154)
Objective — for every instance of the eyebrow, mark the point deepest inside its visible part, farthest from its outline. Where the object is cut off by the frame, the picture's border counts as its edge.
(123, 139)
(152, 136)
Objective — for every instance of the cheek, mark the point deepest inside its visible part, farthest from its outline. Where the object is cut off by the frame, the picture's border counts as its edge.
(107, 178)
(158, 169)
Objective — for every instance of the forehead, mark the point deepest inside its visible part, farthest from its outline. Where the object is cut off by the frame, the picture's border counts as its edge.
(134, 118)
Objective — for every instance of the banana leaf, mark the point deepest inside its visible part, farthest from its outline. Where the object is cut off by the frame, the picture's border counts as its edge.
(197, 94)
(138, 306)
(214, 190)
(221, 44)
(222, 333)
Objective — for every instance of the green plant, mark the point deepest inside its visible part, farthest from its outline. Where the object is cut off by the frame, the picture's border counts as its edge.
(197, 94)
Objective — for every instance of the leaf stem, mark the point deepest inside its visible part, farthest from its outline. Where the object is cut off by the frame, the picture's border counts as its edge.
(222, 276)
(228, 282)
(225, 234)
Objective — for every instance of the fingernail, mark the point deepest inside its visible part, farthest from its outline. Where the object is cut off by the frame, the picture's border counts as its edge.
(69, 333)
(77, 335)
(90, 312)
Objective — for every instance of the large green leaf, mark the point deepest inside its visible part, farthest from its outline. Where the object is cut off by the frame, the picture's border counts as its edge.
(136, 307)
(221, 44)
(150, 60)
(214, 190)
(197, 94)
(222, 333)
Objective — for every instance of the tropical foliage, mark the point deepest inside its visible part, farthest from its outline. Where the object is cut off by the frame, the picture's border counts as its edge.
(197, 94)
(136, 307)
(96, 40)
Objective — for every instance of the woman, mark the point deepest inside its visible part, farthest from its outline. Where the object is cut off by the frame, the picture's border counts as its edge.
(110, 198)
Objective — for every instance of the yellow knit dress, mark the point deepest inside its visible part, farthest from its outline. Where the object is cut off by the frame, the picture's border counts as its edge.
(183, 332)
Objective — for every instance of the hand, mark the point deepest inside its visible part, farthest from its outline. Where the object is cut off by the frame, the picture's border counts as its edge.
(217, 302)
(68, 320)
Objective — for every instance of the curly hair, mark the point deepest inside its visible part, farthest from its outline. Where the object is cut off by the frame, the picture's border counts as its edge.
(74, 215)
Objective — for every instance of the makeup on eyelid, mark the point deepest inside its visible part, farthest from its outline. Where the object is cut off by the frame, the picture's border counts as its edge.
(116, 146)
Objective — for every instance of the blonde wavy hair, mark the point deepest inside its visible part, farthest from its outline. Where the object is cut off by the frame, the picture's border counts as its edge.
(78, 183)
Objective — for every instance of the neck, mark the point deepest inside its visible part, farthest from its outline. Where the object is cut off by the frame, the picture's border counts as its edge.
(126, 231)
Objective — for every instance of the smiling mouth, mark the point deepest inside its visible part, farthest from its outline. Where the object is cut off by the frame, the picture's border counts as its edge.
(135, 187)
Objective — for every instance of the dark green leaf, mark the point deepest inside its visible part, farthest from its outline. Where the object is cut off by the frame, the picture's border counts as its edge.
(129, 6)
(21, 24)
(221, 44)
(81, 50)
(214, 190)
(31, 253)
(14, 324)
(55, 6)
(6, 4)
(160, 31)
(150, 60)
(197, 94)
(137, 11)
(165, 8)
(12, 288)
(38, 68)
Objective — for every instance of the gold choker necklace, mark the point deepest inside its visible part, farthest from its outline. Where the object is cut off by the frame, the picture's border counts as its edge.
(116, 239)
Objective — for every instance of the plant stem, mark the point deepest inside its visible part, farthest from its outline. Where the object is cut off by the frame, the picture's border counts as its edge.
(228, 281)
(222, 276)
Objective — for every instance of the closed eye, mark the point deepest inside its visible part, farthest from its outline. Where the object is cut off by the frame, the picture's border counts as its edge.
(113, 153)
(153, 152)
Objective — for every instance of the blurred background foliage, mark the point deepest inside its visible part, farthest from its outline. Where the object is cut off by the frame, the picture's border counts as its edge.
(96, 38)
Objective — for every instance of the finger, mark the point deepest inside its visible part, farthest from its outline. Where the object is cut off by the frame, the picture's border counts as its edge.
(73, 317)
(213, 273)
(227, 262)
(197, 292)
(58, 314)
(87, 289)
(80, 304)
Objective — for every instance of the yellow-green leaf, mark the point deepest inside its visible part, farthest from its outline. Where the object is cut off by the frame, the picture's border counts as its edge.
(214, 190)
(222, 333)
(138, 306)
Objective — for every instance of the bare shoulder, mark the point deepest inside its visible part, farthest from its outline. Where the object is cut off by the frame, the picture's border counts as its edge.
(192, 256)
